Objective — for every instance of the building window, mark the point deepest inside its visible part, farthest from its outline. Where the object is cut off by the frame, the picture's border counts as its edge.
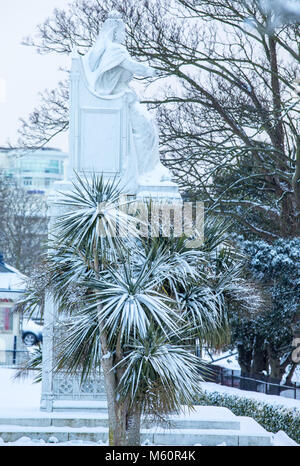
(52, 167)
(27, 181)
(6, 319)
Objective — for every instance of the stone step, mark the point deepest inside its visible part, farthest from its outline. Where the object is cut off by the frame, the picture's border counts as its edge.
(56, 422)
(205, 417)
(99, 406)
(103, 421)
(201, 418)
(206, 425)
(157, 436)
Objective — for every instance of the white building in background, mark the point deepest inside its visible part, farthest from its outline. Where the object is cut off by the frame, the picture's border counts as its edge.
(12, 286)
(35, 170)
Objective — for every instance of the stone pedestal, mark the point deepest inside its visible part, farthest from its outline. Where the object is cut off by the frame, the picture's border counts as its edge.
(58, 387)
(98, 130)
(165, 191)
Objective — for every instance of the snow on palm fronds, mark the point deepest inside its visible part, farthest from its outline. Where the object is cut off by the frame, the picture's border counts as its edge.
(34, 362)
(160, 374)
(130, 301)
(203, 309)
(247, 296)
(78, 349)
(170, 261)
(95, 215)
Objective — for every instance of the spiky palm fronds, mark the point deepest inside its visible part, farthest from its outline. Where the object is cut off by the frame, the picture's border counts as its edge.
(33, 363)
(130, 304)
(95, 217)
(159, 374)
(60, 274)
(78, 349)
(176, 264)
(204, 309)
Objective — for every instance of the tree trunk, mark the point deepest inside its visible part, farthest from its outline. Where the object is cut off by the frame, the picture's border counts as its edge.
(134, 427)
(244, 359)
(275, 368)
(260, 358)
(123, 420)
(124, 424)
(289, 377)
(275, 376)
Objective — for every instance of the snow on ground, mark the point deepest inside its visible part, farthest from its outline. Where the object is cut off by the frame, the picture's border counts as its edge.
(18, 396)
(226, 359)
(27, 442)
(22, 398)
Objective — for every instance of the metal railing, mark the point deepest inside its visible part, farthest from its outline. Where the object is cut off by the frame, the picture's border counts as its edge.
(13, 358)
(261, 383)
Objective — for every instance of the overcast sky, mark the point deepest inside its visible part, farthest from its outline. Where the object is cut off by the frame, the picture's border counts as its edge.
(23, 72)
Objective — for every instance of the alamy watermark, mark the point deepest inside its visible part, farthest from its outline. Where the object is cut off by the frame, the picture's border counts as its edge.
(152, 219)
(296, 352)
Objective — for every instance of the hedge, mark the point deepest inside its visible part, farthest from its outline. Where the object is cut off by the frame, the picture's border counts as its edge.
(272, 417)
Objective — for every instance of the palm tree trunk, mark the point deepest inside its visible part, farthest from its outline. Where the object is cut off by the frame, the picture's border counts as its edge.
(134, 428)
(123, 420)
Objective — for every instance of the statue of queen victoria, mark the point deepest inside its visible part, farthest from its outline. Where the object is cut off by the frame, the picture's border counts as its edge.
(108, 70)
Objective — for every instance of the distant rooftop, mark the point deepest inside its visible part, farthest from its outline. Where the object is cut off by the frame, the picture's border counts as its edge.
(3, 267)
(11, 280)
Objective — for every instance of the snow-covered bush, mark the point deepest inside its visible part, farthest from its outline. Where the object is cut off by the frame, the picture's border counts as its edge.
(272, 418)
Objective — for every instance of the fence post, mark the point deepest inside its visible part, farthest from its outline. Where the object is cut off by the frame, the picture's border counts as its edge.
(15, 349)
(232, 384)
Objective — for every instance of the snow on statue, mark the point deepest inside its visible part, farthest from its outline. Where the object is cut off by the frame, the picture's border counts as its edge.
(109, 69)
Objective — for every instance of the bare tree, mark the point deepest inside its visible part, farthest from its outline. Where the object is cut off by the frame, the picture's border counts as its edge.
(227, 106)
(23, 226)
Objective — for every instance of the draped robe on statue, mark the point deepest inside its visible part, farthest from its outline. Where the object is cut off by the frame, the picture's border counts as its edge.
(109, 69)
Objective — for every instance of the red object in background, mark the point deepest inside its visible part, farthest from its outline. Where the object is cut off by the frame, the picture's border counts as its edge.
(7, 318)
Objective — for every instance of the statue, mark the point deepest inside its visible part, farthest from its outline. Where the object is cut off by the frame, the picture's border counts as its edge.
(108, 69)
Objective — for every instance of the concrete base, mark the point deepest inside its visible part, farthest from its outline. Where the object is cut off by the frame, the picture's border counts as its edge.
(205, 426)
(166, 191)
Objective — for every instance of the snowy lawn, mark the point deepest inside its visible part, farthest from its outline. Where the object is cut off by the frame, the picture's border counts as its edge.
(21, 398)
(18, 396)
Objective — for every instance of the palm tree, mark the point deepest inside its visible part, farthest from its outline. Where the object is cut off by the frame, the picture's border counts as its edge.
(139, 305)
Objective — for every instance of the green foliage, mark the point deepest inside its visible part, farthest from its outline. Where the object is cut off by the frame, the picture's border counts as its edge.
(270, 417)
(276, 268)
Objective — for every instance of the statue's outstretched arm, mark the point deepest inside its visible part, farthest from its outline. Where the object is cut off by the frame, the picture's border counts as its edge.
(137, 68)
